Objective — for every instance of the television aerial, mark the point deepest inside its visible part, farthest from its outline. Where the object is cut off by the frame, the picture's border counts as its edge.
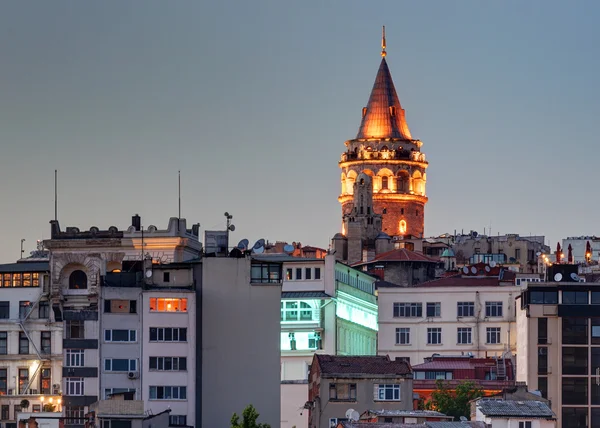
(230, 227)
(352, 415)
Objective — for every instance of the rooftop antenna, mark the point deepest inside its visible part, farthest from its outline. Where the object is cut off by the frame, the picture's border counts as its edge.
(179, 191)
(55, 195)
(22, 250)
(383, 52)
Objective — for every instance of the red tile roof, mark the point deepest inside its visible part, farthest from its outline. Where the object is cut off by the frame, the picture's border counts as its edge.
(375, 365)
(400, 255)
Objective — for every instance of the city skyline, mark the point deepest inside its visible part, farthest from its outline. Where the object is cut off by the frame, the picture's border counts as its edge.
(253, 108)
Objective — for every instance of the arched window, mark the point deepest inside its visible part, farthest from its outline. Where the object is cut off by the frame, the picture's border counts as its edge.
(296, 311)
(402, 182)
(78, 280)
(384, 182)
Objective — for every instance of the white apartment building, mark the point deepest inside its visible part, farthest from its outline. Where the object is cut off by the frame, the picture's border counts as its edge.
(455, 315)
(326, 307)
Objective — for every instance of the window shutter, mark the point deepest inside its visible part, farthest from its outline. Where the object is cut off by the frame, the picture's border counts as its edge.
(375, 391)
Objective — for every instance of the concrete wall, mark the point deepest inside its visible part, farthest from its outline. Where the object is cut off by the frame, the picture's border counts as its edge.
(294, 395)
(240, 343)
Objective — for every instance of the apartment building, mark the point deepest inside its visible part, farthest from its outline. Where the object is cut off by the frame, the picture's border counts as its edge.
(326, 307)
(558, 327)
(472, 313)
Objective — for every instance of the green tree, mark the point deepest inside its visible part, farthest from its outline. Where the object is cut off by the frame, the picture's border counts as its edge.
(454, 402)
(249, 417)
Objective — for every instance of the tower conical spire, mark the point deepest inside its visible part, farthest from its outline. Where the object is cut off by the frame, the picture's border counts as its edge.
(383, 117)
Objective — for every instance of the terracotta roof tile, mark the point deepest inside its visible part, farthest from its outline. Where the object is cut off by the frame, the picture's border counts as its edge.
(372, 364)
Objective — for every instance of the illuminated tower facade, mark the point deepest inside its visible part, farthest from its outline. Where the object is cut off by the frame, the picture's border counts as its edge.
(385, 151)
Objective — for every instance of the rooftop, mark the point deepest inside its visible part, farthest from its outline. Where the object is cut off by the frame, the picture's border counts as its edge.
(508, 408)
(362, 365)
(399, 255)
(25, 267)
(407, 413)
(379, 425)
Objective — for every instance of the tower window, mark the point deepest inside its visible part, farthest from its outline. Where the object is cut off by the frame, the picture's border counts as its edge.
(402, 211)
(392, 111)
(384, 182)
(417, 212)
(385, 211)
(368, 210)
(361, 210)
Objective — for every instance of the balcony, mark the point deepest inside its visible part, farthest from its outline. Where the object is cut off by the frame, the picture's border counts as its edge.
(384, 155)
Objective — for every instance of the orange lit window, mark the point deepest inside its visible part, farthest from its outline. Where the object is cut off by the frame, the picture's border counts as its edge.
(159, 304)
(402, 226)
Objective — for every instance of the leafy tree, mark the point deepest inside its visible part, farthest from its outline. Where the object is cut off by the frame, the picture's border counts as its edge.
(249, 417)
(454, 402)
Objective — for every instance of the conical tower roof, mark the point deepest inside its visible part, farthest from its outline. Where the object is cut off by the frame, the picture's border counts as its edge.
(383, 117)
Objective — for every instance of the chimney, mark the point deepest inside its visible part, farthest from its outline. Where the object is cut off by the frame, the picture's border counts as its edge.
(136, 221)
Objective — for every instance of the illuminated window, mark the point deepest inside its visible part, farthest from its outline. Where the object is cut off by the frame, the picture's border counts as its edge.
(384, 182)
(26, 280)
(161, 304)
(296, 311)
(23, 380)
(45, 381)
(288, 274)
(402, 226)
(78, 280)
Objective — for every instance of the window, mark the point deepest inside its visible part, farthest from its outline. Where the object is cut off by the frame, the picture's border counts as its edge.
(4, 310)
(543, 386)
(542, 331)
(574, 361)
(168, 393)
(46, 342)
(403, 336)
(168, 334)
(342, 391)
(74, 358)
(298, 273)
(288, 274)
(166, 276)
(74, 329)
(543, 297)
(177, 420)
(492, 335)
(388, 392)
(46, 381)
(74, 415)
(526, 424)
(78, 280)
(23, 380)
(168, 363)
(44, 310)
(163, 304)
(542, 360)
(297, 311)
(120, 335)
(265, 273)
(575, 390)
(434, 336)
(465, 309)
(465, 336)
(5, 412)
(110, 391)
(575, 298)
(120, 365)
(317, 273)
(3, 343)
(384, 182)
(595, 297)
(120, 306)
(434, 309)
(23, 343)
(574, 331)
(493, 309)
(3, 382)
(116, 423)
(307, 273)
(74, 386)
(408, 310)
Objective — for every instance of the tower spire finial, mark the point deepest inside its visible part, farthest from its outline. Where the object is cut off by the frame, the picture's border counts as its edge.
(383, 52)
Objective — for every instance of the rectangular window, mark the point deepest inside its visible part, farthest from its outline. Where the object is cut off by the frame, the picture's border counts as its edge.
(24, 308)
(265, 273)
(543, 297)
(492, 335)
(74, 386)
(23, 380)
(543, 386)
(120, 306)
(307, 273)
(44, 310)
(120, 365)
(342, 391)
(408, 310)
(168, 363)
(5, 412)
(525, 424)
(575, 390)
(163, 304)
(288, 274)
(168, 334)
(317, 273)
(46, 342)
(493, 309)
(575, 298)
(120, 335)
(574, 361)
(168, 393)
(166, 276)
(465, 309)
(574, 331)
(542, 331)
(542, 360)
(74, 329)
(110, 391)
(434, 310)
(74, 358)
(403, 336)
(3, 343)
(23, 343)
(3, 382)
(434, 336)
(465, 336)
(177, 420)
(45, 381)
(4, 310)
(298, 274)
(595, 297)
(36, 408)
(74, 415)
(388, 392)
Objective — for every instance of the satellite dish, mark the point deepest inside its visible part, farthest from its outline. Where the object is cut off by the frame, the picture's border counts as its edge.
(288, 248)
(473, 270)
(148, 273)
(260, 243)
(465, 269)
(487, 268)
(558, 277)
(232, 227)
(493, 264)
(352, 415)
(538, 253)
(258, 250)
(575, 277)
(243, 244)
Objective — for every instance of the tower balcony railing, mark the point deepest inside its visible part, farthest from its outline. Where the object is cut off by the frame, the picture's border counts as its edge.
(384, 155)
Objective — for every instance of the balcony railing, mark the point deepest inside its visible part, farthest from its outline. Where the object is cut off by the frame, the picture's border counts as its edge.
(384, 155)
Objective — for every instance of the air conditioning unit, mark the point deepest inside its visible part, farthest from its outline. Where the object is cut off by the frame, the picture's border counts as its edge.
(133, 375)
(10, 392)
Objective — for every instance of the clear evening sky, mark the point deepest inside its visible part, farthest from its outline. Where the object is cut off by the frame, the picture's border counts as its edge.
(253, 100)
